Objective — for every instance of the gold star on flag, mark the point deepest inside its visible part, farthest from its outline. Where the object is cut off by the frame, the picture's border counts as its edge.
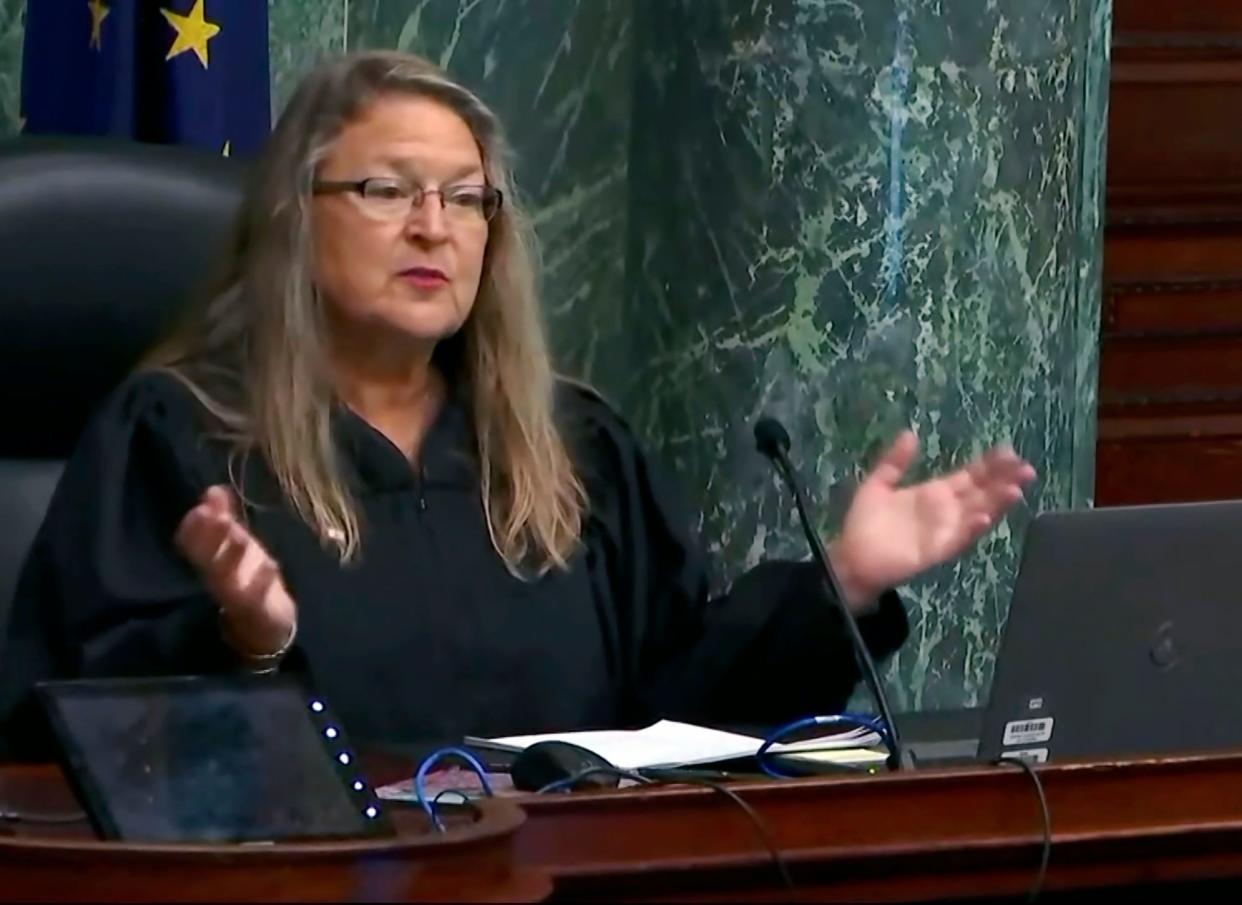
(99, 12)
(193, 32)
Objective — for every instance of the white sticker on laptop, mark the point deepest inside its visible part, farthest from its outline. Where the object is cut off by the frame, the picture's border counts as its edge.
(1030, 755)
(1027, 732)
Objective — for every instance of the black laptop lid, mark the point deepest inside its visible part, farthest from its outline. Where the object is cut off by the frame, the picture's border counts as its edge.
(1124, 636)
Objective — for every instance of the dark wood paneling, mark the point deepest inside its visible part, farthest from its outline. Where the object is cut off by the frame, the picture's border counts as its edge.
(1175, 139)
(1172, 255)
(1164, 20)
(1171, 368)
(1168, 462)
(1170, 417)
(1173, 309)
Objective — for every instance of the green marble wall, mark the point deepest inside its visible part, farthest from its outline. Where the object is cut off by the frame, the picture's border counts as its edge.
(559, 72)
(12, 13)
(854, 214)
(858, 215)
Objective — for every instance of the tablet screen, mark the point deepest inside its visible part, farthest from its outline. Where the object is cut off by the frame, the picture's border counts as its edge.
(209, 760)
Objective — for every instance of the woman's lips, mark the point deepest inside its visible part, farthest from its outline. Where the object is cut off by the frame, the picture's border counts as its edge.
(428, 277)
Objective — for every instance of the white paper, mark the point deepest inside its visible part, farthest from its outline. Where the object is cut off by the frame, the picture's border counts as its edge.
(672, 744)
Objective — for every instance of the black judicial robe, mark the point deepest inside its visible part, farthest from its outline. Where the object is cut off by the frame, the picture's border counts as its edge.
(426, 635)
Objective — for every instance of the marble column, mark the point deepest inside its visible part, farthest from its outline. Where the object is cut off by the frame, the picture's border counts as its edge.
(859, 215)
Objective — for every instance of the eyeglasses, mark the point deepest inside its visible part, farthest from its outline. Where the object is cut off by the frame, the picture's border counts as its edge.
(386, 198)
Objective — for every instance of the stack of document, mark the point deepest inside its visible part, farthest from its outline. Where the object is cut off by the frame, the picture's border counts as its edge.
(664, 745)
(668, 744)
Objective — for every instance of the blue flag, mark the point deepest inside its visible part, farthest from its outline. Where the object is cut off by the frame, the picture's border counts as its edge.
(192, 72)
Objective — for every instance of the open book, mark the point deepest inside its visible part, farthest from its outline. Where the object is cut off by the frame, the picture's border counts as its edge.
(669, 744)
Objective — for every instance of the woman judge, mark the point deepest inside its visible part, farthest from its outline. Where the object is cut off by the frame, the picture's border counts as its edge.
(354, 459)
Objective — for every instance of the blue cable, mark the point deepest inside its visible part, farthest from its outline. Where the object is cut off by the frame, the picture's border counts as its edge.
(420, 779)
(852, 719)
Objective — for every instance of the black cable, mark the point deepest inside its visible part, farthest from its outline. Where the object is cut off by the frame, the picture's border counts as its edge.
(573, 779)
(466, 802)
(761, 828)
(10, 816)
(1038, 886)
(658, 777)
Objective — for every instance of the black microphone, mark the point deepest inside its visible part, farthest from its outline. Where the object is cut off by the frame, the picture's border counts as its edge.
(772, 440)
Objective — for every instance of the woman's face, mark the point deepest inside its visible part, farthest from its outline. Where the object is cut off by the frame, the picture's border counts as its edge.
(385, 264)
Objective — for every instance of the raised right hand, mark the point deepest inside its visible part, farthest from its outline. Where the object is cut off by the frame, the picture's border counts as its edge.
(239, 573)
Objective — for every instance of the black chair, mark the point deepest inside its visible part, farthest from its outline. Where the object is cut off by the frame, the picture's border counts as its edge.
(101, 245)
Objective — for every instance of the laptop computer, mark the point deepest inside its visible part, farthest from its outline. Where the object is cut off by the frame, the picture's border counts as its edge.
(1124, 636)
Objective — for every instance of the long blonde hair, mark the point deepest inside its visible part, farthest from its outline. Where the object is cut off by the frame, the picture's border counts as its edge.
(254, 351)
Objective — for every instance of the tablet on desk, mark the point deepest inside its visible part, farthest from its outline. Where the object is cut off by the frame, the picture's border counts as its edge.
(209, 759)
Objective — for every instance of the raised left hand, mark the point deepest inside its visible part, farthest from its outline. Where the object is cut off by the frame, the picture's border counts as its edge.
(892, 533)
